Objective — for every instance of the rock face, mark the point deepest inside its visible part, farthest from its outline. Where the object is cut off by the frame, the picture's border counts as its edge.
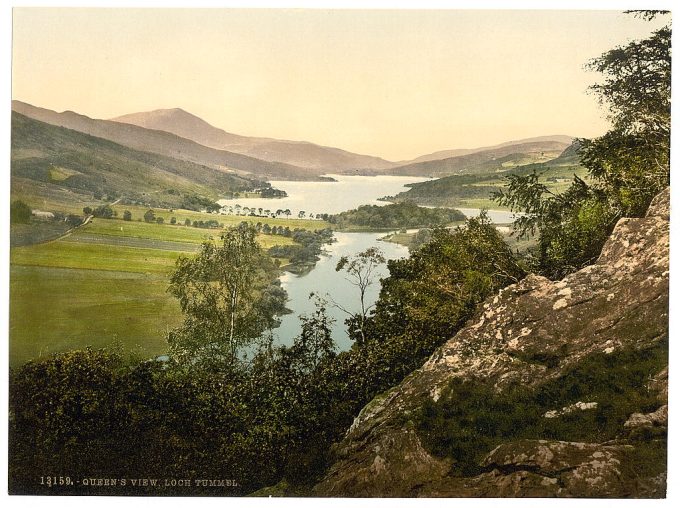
(531, 331)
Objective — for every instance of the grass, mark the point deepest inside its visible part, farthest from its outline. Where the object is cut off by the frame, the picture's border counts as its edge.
(47, 197)
(85, 256)
(57, 309)
(404, 239)
(471, 417)
(59, 174)
(36, 232)
(104, 283)
(151, 231)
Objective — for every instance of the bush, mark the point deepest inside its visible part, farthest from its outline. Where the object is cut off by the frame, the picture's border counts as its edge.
(19, 212)
(104, 212)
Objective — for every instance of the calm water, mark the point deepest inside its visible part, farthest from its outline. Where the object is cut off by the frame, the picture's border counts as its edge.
(347, 193)
(332, 285)
(334, 197)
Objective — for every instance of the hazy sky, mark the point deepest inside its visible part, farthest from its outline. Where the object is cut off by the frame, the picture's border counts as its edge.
(396, 84)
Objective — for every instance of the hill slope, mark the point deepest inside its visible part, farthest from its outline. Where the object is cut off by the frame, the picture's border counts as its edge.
(474, 190)
(54, 158)
(445, 154)
(165, 143)
(564, 387)
(297, 153)
(485, 161)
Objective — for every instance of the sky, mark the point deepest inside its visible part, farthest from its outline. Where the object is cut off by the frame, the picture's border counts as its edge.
(391, 83)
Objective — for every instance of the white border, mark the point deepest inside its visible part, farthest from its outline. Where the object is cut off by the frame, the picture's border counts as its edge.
(5, 87)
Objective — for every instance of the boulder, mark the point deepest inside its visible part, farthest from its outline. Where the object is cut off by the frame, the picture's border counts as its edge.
(528, 333)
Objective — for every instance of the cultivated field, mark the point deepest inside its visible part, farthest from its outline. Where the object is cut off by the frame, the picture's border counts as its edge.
(105, 283)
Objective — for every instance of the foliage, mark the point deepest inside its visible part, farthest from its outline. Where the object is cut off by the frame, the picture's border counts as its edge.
(571, 227)
(421, 237)
(127, 215)
(396, 215)
(149, 216)
(308, 244)
(471, 417)
(86, 413)
(198, 203)
(631, 162)
(218, 291)
(104, 212)
(271, 192)
(432, 293)
(627, 166)
(19, 212)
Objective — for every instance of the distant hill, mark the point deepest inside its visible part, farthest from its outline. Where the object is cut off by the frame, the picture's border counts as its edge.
(445, 154)
(167, 144)
(297, 153)
(569, 156)
(474, 189)
(486, 161)
(48, 159)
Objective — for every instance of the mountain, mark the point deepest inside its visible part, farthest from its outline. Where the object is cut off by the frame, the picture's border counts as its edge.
(166, 144)
(487, 160)
(298, 153)
(554, 389)
(49, 162)
(445, 154)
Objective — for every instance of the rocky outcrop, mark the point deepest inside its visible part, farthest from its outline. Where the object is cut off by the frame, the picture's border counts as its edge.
(530, 332)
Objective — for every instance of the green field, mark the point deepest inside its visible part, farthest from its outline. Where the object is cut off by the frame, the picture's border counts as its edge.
(103, 284)
(56, 309)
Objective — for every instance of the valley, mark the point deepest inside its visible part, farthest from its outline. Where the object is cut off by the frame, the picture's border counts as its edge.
(105, 282)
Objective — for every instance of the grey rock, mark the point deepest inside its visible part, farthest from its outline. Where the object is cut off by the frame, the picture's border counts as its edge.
(529, 332)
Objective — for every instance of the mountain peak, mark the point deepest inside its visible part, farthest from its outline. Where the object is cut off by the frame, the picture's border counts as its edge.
(155, 115)
(298, 153)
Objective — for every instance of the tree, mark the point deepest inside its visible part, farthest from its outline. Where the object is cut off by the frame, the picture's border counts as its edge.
(571, 227)
(87, 210)
(173, 220)
(631, 161)
(218, 292)
(127, 215)
(428, 296)
(19, 212)
(627, 166)
(104, 212)
(360, 271)
(149, 216)
(160, 220)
